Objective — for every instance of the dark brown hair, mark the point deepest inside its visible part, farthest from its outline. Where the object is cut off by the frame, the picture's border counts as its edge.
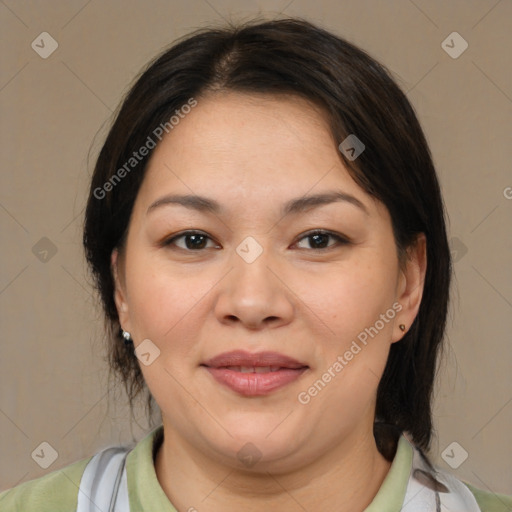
(358, 95)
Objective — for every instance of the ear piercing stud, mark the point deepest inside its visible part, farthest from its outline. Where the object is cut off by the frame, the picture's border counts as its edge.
(127, 337)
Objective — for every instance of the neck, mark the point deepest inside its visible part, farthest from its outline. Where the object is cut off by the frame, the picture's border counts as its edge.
(347, 478)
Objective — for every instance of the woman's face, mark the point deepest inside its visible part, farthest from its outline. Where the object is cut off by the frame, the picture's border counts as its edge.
(324, 308)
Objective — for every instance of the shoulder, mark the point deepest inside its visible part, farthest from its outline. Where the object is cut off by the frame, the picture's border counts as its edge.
(455, 494)
(489, 501)
(54, 492)
(58, 491)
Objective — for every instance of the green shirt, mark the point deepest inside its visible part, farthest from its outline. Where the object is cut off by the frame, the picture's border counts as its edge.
(58, 491)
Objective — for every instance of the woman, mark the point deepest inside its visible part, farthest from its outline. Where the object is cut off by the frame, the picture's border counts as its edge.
(266, 231)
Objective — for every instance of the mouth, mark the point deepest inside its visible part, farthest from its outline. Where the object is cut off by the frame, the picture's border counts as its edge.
(252, 369)
(254, 374)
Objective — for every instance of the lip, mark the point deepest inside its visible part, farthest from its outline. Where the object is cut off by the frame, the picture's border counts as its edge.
(277, 370)
(243, 358)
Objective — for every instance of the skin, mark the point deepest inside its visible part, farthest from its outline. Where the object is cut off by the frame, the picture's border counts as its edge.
(252, 153)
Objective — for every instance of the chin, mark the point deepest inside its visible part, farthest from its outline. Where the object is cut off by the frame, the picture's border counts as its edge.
(257, 447)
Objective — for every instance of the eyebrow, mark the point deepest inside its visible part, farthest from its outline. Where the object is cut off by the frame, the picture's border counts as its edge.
(298, 205)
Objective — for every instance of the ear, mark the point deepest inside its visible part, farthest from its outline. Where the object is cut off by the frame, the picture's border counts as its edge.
(410, 285)
(117, 268)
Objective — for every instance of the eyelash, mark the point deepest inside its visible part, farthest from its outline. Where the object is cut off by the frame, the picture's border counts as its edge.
(341, 240)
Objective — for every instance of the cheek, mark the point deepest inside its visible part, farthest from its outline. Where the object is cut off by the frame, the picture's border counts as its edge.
(164, 304)
(161, 299)
(356, 304)
(350, 297)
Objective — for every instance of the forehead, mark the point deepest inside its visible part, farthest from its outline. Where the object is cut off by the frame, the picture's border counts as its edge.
(251, 140)
(254, 156)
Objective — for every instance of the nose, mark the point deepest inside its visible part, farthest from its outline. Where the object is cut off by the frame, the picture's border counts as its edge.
(254, 294)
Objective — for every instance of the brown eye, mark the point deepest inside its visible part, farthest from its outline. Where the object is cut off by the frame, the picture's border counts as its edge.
(320, 240)
(193, 241)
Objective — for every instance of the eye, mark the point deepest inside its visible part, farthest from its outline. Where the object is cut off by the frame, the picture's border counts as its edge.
(319, 240)
(197, 241)
(193, 241)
